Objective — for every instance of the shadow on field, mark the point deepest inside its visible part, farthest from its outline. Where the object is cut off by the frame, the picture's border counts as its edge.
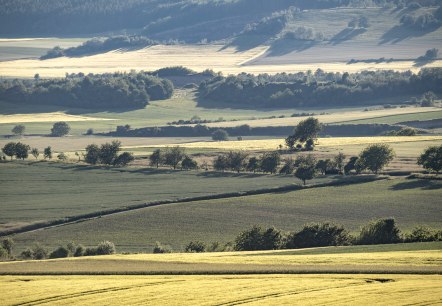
(418, 184)
(399, 33)
(346, 34)
(285, 46)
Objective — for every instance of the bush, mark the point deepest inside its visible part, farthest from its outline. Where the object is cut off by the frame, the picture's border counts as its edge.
(195, 247)
(90, 252)
(106, 248)
(60, 252)
(123, 159)
(160, 249)
(39, 252)
(318, 235)
(382, 231)
(423, 234)
(188, 163)
(79, 251)
(258, 239)
(3, 253)
(27, 254)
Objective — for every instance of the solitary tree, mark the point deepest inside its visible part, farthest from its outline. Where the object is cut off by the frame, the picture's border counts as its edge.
(35, 153)
(220, 135)
(22, 150)
(253, 164)
(62, 157)
(92, 154)
(108, 152)
(376, 157)
(47, 153)
(431, 159)
(173, 156)
(306, 130)
(9, 149)
(19, 129)
(237, 160)
(340, 162)
(270, 162)
(60, 129)
(188, 163)
(8, 244)
(156, 158)
(306, 168)
(220, 163)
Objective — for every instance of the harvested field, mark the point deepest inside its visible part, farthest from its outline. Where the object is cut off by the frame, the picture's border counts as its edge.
(45, 117)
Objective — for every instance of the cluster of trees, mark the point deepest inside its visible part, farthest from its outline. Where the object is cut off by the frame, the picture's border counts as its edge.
(304, 135)
(423, 21)
(382, 231)
(173, 157)
(316, 89)
(113, 90)
(107, 154)
(38, 252)
(99, 45)
(304, 33)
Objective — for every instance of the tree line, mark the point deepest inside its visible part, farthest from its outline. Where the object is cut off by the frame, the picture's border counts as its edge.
(308, 89)
(111, 90)
(256, 238)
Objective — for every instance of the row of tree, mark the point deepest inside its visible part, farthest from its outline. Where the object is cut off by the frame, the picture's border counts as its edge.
(113, 90)
(382, 231)
(107, 154)
(38, 252)
(316, 89)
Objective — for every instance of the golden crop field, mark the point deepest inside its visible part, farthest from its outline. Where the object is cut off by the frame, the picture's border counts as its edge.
(197, 57)
(336, 117)
(222, 290)
(273, 144)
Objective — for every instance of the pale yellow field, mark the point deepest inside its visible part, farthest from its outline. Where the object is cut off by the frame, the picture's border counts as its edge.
(292, 257)
(197, 57)
(45, 117)
(273, 144)
(223, 290)
(338, 117)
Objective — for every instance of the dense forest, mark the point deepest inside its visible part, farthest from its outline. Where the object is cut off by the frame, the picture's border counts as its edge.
(66, 17)
(117, 90)
(316, 89)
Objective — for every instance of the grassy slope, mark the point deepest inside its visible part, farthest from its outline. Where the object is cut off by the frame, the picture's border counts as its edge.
(411, 202)
(42, 191)
(383, 38)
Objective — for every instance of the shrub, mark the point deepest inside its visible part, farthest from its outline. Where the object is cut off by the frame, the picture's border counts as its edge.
(90, 252)
(27, 254)
(269, 162)
(59, 252)
(160, 249)
(382, 231)
(106, 248)
(423, 234)
(79, 251)
(195, 247)
(123, 159)
(39, 252)
(318, 235)
(3, 253)
(7, 245)
(188, 163)
(257, 238)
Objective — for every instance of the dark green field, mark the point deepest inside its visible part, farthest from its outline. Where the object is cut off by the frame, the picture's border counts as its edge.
(38, 191)
(410, 202)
